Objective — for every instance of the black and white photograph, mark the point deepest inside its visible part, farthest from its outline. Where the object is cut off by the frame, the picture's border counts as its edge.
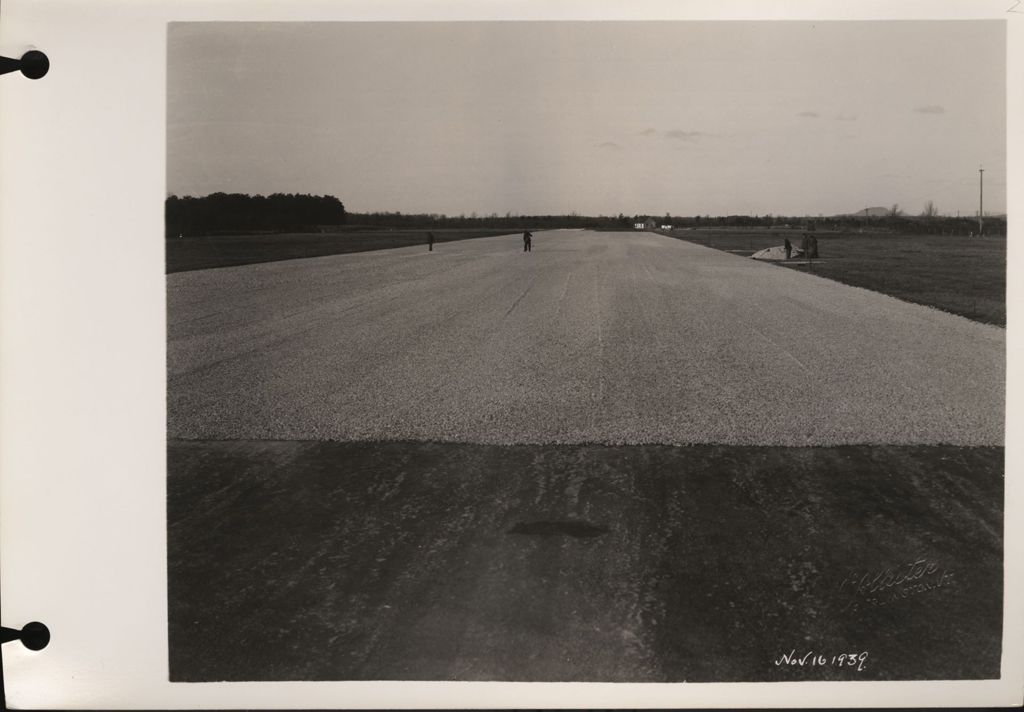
(424, 354)
(668, 351)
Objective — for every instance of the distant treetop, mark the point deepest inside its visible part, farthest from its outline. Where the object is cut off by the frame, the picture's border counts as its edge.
(222, 213)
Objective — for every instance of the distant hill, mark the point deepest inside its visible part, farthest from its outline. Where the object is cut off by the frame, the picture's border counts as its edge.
(871, 213)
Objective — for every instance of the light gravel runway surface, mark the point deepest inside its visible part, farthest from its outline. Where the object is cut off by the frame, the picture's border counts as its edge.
(592, 337)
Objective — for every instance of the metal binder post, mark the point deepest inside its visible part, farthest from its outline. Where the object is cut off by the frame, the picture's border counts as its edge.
(34, 635)
(33, 64)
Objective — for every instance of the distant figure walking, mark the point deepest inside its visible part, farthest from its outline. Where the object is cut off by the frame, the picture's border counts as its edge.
(789, 248)
(527, 241)
(430, 242)
(812, 247)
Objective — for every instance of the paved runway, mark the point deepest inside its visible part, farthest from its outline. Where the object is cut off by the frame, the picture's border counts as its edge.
(593, 337)
(442, 561)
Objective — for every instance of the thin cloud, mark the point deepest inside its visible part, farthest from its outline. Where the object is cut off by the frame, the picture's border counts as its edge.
(846, 117)
(609, 146)
(680, 135)
(648, 132)
(930, 109)
(808, 114)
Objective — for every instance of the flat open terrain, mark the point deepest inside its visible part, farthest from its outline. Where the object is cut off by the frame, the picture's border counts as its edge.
(962, 275)
(592, 337)
(208, 251)
(323, 561)
(464, 465)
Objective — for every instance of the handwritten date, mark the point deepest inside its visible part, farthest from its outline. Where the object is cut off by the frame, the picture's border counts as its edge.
(813, 659)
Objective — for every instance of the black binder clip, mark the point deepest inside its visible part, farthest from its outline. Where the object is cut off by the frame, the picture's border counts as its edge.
(33, 64)
(34, 636)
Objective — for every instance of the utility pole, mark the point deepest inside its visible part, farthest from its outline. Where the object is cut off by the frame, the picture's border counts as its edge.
(981, 200)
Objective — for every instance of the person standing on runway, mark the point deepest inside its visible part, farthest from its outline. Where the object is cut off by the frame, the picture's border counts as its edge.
(527, 241)
(430, 242)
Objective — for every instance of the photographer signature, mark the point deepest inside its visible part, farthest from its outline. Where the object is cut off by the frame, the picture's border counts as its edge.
(884, 586)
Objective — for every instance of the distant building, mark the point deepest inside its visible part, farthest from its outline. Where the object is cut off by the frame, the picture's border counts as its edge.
(638, 226)
(666, 227)
(648, 224)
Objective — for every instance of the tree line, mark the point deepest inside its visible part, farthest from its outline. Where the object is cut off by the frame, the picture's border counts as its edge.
(895, 221)
(475, 222)
(225, 213)
(235, 213)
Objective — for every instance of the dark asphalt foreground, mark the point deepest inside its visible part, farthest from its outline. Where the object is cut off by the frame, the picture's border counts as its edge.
(431, 561)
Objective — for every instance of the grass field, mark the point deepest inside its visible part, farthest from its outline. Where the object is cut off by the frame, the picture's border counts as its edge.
(191, 253)
(442, 561)
(965, 276)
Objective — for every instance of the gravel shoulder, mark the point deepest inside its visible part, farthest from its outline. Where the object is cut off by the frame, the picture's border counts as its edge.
(591, 338)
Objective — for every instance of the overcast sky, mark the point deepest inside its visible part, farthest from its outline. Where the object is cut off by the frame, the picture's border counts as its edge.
(685, 118)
